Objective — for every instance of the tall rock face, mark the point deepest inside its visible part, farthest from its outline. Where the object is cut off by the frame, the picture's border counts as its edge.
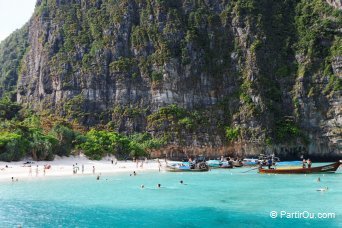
(12, 51)
(222, 76)
(335, 3)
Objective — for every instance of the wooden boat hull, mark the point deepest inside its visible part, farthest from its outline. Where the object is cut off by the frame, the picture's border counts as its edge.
(321, 169)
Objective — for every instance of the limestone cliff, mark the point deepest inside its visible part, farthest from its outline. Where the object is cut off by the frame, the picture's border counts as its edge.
(212, 76)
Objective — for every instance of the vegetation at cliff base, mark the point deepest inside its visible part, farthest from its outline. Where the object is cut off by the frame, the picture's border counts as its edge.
(22, 134)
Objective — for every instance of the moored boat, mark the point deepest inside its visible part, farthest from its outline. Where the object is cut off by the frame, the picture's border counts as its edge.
(180, 167)
(218, 164)
(320, 169)
(250, 161)
(237, 163)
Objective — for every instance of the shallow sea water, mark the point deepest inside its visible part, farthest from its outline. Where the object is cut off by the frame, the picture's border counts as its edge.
(219, 198)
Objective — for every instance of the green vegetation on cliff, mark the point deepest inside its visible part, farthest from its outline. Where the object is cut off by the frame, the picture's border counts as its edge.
(22, 134)
(12, 51)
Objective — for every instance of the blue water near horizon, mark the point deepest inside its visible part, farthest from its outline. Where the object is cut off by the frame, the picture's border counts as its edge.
(218, 198)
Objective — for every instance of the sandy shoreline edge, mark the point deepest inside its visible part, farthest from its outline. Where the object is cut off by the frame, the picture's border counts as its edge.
(63, 167)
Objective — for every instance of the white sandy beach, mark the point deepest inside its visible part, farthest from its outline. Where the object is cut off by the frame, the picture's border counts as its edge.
(64, 167)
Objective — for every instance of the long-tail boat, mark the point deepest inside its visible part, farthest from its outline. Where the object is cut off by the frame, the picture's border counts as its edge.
(320, 169)
(181, 167)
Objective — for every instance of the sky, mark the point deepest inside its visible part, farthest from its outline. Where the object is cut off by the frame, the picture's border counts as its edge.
(13, 15)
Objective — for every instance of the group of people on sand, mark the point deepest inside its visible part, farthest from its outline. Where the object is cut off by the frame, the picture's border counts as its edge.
(141, 161)
(75, 168)
(3, 169)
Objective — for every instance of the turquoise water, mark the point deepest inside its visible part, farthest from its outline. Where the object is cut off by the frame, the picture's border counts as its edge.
(218, 198)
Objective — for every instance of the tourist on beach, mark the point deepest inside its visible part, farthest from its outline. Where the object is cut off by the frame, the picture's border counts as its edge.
(37, 170)
(82, 168)
(159, 164)
(112, 161)
(30, 171)
(93, 169)
(44, 170)
(12, 179)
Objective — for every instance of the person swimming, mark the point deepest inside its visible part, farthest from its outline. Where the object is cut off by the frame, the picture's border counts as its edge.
(182, 182)
(142, 186)
(322, 189)
(159, 185)
(318, 179)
